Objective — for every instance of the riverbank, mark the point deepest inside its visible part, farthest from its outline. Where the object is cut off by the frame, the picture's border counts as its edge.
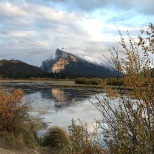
(60, 83)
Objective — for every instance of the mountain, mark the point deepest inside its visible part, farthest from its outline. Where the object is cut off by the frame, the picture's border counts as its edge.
(14, 68)
(67, 63)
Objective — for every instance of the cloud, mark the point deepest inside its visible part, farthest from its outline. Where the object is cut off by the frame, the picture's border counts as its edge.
(146, 7)
(9, 10)
(143, 7)
(31, 30)
(94, 4)
(37, 30)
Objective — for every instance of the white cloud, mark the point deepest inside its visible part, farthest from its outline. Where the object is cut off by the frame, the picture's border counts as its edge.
(35, 28)
(21, 34)
(12, 10)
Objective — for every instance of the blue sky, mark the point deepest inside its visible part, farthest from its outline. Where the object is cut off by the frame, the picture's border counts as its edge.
(31, 30)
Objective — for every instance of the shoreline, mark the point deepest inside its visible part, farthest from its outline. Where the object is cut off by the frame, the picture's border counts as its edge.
(58, 83)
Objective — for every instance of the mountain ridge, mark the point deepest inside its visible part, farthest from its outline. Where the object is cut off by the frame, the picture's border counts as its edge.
(13, 68)
(68, 63)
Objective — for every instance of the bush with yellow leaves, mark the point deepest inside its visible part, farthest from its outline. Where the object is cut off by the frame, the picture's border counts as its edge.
(16, 129)
(130, 116)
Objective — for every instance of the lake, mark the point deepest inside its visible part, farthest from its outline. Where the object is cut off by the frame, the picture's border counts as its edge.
(59, 105)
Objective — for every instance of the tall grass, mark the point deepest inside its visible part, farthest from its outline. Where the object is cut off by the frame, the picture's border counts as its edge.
(78, 141)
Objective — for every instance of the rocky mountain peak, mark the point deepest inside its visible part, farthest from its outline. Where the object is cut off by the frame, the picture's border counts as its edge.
(67, 63)
(60, 53)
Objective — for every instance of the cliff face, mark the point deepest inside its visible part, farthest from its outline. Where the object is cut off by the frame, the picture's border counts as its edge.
(64, 62)
(62, 54)
(63, 59)
(58, 61)
(59, 65)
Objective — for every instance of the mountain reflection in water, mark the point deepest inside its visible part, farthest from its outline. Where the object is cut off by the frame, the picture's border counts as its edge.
(59, 94)
(62, 99)
(57, 106)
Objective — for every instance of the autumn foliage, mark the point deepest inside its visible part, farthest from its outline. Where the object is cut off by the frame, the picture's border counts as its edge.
(12, 111)
(130, 116)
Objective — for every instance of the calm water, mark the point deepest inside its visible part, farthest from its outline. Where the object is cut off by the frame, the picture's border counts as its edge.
(57, 106)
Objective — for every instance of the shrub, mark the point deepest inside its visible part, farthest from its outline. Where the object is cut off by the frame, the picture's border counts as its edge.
(84, 142)
(16, 129)
(79, 140)
(91, 81)
(12, 112)
(131, 121)
(114, 81)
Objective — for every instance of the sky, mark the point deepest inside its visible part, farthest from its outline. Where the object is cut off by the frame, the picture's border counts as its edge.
(32, 30)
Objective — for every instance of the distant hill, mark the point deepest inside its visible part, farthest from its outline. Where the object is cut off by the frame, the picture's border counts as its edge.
(66, 63)
(16, 68)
